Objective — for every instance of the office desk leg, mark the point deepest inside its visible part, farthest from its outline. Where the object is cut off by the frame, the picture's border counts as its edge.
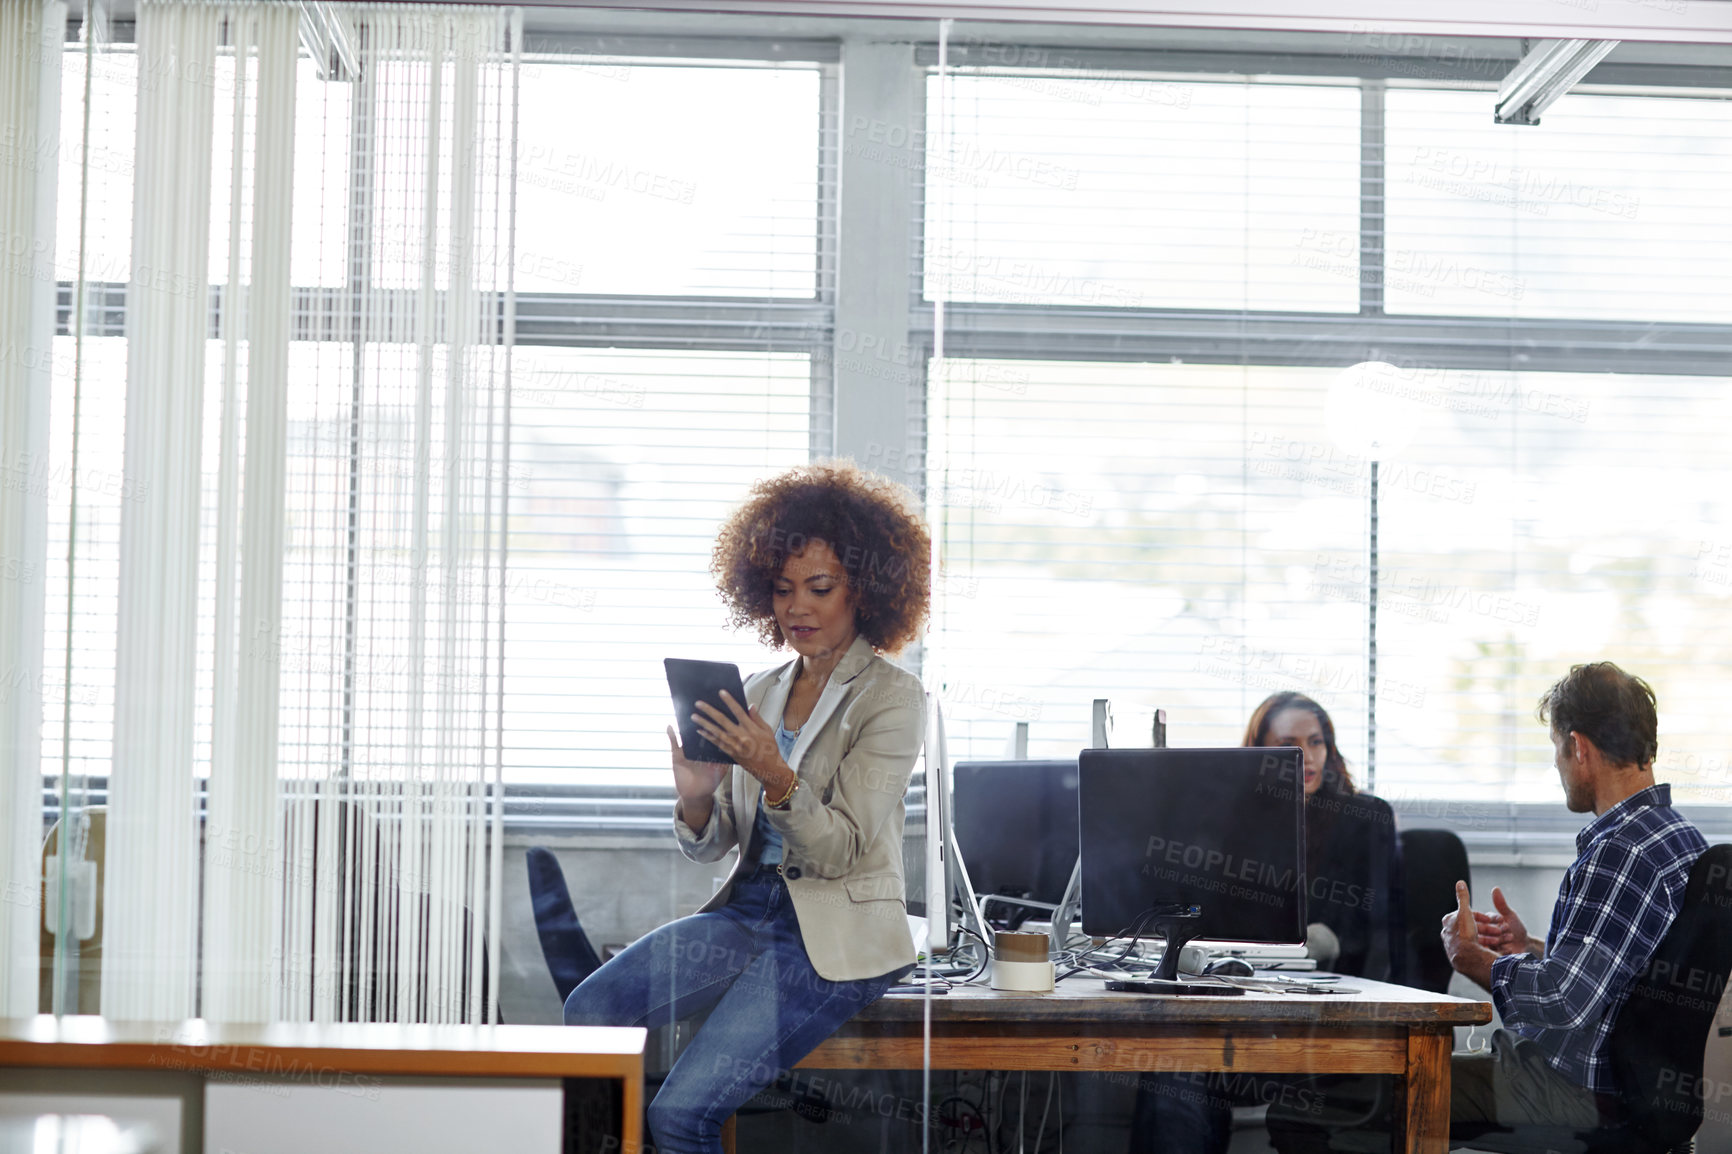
(1426, 1113)
(631, 1124)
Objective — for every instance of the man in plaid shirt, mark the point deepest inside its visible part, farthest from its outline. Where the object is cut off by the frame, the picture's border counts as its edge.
(1559, 997)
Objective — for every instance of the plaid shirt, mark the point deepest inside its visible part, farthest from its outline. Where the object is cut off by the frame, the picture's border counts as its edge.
(1616, 903)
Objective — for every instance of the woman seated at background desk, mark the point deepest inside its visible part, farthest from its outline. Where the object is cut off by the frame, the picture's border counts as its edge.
(1353, 907)
(810, 927)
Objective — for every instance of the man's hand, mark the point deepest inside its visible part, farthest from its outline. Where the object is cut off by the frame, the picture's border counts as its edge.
(1467, 955)
(1503, 931)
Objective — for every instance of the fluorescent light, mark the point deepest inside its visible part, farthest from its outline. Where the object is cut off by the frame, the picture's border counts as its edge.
(329, 38)
(1551, 69)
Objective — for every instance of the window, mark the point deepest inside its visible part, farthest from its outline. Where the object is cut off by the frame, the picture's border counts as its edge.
(1153, 271)
(635, 425)
(686, 179)
(1146, 533)
(1151, 191)
(1536, 523)
(624, 462)
(1142, 503)
(1610, 210)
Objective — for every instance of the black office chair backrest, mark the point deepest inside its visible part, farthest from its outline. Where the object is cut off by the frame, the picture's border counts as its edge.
(1432, 861)
(1658, 1041)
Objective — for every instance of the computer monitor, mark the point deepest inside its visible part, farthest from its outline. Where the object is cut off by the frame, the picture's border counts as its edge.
(1166, 831)
(1016, 825)
(920, 818)
(936, 880)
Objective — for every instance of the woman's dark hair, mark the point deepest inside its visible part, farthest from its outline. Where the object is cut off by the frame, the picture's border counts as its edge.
(1613, 709)
(1335, 775)
(872, 524)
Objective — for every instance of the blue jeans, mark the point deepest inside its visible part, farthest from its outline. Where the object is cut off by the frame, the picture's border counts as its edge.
(768, 1006)
(1181, 1114)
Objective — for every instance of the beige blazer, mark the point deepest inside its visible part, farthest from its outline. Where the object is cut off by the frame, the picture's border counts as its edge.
(842, 832)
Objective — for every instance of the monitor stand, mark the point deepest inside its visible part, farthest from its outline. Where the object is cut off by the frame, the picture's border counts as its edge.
(1178, 928)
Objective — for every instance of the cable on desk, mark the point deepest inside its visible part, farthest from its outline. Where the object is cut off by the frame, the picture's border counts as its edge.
(985, 956)
(1129, 932)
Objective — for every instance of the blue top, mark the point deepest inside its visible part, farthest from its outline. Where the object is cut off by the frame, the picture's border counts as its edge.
(1617, 902)
(766, 838)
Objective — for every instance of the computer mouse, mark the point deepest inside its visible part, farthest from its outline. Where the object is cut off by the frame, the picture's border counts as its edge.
(1229, 968)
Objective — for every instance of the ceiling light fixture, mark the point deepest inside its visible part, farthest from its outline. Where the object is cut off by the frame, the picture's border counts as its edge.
(1550, 69)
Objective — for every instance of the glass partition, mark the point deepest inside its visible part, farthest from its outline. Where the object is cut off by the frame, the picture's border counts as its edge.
(1219, 364)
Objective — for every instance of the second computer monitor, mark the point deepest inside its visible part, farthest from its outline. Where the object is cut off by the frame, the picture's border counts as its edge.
(1221, 829)
(1016, 824)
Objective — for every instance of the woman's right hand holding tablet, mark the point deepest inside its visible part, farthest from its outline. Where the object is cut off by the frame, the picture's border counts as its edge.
(696, 782)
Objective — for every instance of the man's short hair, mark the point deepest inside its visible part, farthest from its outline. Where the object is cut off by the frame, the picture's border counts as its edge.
(1613, 709)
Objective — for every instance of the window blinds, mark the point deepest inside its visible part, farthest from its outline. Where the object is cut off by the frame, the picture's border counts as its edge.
(1154, 191)
(1195, 534)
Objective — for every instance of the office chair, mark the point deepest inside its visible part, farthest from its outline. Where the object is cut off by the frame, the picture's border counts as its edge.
(1432, 861)
(1657, 1043)
(570, 957)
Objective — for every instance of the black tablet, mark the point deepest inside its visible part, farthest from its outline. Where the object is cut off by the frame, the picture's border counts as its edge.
(691, 682)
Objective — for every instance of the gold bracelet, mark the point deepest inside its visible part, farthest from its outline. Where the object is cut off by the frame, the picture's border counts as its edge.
(782, 805)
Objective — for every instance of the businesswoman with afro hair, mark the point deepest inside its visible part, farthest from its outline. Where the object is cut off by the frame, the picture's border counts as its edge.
(810, 927)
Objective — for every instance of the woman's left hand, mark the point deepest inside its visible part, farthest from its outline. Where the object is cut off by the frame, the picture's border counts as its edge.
(745, 737)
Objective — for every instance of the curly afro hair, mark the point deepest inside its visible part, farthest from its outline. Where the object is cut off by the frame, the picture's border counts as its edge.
(871, 523)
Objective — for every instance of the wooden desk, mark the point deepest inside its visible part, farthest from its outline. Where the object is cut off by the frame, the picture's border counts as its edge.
(1383, 1029)
(305, 1050)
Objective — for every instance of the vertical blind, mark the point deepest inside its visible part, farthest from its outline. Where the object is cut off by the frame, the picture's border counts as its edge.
(28, 107)
(312, 500)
